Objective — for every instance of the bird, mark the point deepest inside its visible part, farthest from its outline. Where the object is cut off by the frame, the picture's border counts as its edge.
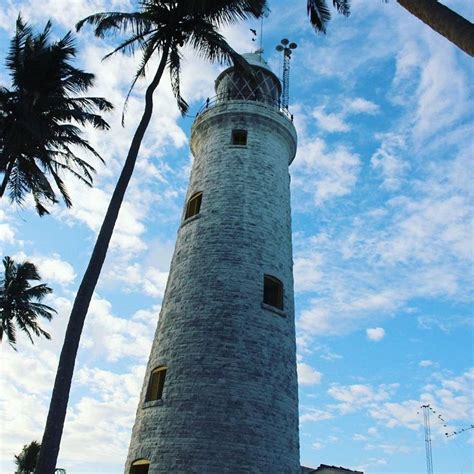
(253, 31)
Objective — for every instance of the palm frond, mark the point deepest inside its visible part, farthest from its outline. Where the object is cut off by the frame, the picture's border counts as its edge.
(319, 14)
(222, 12)
(342, 6)
(174, 65)
(44, 115)
(112, 23)
(20, 302)
(130, 45)
(148, 49)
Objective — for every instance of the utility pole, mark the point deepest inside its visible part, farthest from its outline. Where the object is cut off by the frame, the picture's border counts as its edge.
(429, 454)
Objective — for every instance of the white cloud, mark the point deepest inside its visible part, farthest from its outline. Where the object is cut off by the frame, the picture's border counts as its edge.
(117, 337)
(330, 122)
(307, 375)
(390, 448)
(443, 92)
(322, 443)
(54, 9)
(359, 105)
(417, 245)
(318, 445)
(307, 272)
(375, 334)
(341, 311)
(358, 396)
(314, 414)
(7, 233)
(387, 160)
(51, 269)
(451, 397)
(328, 355)
(372, 462)
(398, 414)
(426, 363)
(327, 174)
(338, 122)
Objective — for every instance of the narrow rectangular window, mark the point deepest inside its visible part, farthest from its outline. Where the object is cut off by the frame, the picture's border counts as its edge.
(156, 384)
(194, 205)
(239, 137)
(141, 466)
(272, 291)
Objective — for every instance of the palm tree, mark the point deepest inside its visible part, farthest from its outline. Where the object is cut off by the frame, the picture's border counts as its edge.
(319, 13)
(455, 28)
(160, 27)
(20, 302)
(41, 115)
(26, 460)
(444, 21)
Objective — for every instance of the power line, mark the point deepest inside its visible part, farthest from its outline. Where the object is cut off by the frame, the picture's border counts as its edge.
(448, 435)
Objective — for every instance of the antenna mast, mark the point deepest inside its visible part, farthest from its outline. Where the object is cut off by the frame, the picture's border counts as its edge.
(287, 48)
(426, 422)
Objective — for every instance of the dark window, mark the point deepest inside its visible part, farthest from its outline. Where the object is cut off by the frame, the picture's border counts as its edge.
(156, 384)
(239, 137)
(194, 205)
(140, 466)
(273, 291)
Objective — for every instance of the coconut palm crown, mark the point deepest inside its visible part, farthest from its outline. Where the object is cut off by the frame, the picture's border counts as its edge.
(20, 303)
(164, 26)
(41, 116)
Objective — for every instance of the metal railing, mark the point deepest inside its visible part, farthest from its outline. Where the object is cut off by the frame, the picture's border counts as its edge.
(260, 98)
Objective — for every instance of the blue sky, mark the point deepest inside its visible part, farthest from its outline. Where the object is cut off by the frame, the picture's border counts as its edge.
(382, 222)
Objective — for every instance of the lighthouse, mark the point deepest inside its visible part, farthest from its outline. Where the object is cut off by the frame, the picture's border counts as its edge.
(220, 389)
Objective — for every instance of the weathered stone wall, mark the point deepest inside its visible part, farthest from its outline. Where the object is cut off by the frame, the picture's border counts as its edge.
(230, 398)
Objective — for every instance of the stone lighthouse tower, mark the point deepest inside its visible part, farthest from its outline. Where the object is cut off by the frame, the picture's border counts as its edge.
(220, 390)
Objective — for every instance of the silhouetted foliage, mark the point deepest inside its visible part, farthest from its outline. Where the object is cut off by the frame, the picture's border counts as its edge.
(20, 304)
(319, 12)
(41, 117)
(26, 460)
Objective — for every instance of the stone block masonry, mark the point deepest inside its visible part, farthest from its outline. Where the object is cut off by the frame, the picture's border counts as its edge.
(229, 402)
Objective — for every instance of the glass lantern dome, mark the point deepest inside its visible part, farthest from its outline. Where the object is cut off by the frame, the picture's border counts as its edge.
(231, 84)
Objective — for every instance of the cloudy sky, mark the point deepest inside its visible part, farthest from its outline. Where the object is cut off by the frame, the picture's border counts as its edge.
(382, 222)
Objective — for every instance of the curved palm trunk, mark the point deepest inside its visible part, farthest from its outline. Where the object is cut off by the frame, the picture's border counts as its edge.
(444, 21)
(62, 384)
(6, 178)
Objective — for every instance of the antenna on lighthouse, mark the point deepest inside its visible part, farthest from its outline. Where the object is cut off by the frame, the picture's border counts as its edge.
(287, 49)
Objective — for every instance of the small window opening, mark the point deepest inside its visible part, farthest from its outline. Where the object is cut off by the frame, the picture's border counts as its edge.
(194, 205)
(273, 291)
(239, 137)
(156, 384)
(140, 466)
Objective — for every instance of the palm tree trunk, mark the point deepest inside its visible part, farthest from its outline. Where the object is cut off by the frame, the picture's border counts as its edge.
(444, 21)
(62, 384)
(6, 178)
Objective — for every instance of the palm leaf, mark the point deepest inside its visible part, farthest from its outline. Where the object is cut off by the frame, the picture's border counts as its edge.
(319, 14)
(45, 113)
(20, 302)
(174, 65)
